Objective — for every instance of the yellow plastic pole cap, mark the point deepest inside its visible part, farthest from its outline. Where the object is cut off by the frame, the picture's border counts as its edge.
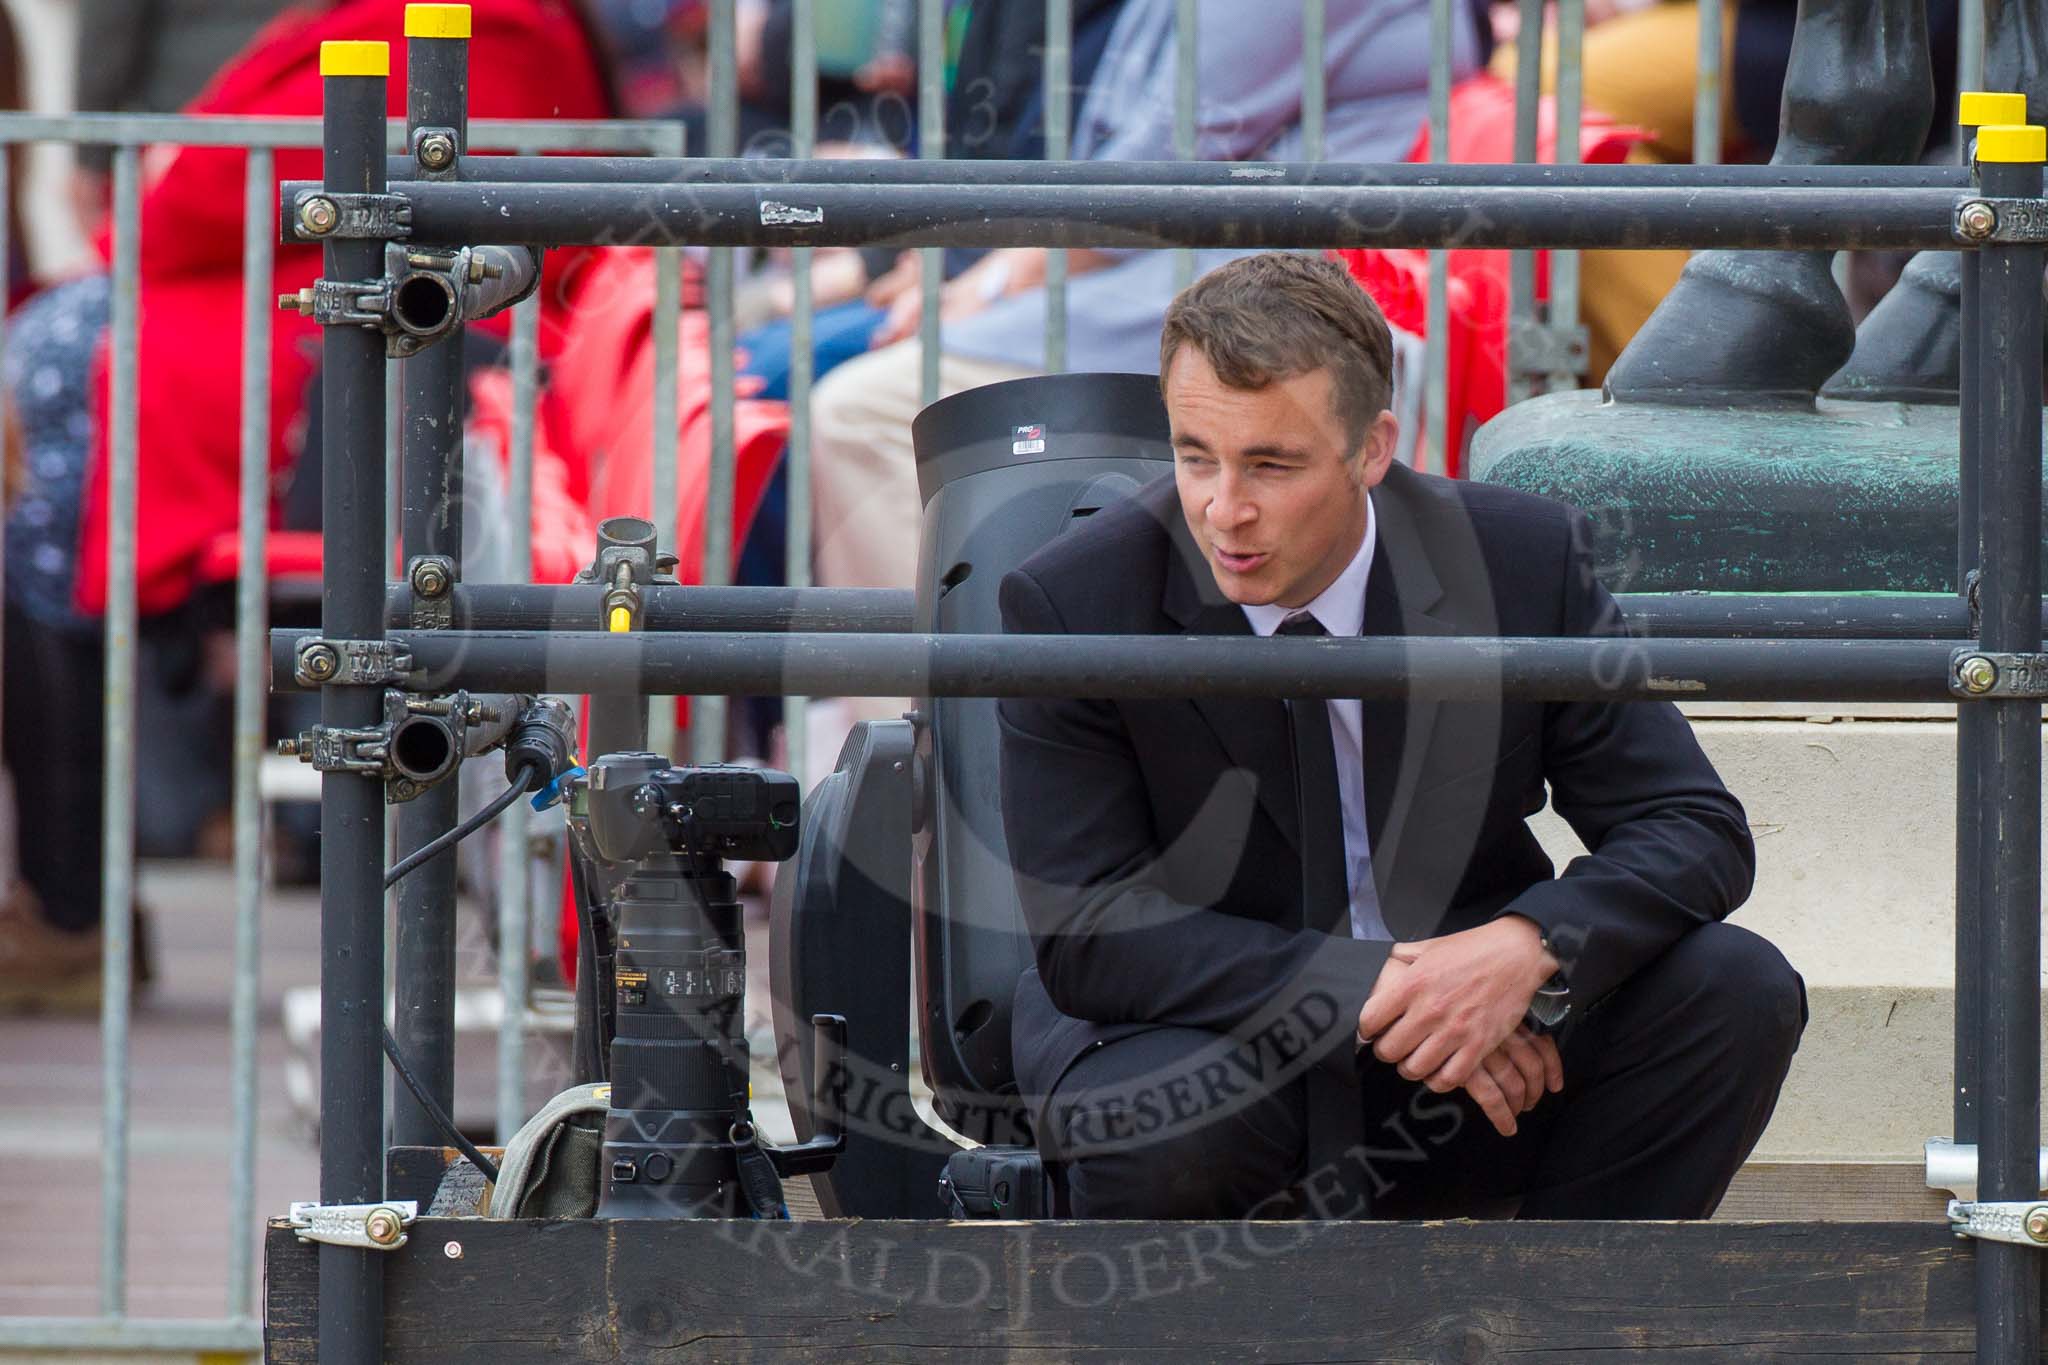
(2020, 143)
(452, 21)
(1974, 108)
(355, 59)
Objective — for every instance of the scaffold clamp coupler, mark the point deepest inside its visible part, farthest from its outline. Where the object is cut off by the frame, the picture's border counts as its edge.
(343, 303)
(364, 751)
(319, 662)
(2022, 1222)
(436, 150)
(1982, 221)
(432, 580)
(1981, 674)
(319, 215)
(366, 1227)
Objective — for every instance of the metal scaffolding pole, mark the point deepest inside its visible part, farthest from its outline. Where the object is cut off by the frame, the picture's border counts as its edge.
(1239, 216)
(745, 663)
(1974, 109)
(351, 804)
(423, 957)
(2007, 393)
(769, 172)
(668, 609)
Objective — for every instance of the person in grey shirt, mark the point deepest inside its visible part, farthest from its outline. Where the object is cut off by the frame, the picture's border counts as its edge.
(1249, 58)
(150, 57)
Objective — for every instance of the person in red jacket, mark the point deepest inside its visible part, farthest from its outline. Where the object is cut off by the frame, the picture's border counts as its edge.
(529, 59)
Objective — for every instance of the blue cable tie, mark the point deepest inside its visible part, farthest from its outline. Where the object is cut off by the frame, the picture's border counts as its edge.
(552, 792)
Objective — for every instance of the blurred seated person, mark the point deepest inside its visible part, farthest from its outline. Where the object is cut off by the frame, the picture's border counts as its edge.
(995, 108)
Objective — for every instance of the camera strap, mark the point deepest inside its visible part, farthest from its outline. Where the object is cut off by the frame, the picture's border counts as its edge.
(758, 1180)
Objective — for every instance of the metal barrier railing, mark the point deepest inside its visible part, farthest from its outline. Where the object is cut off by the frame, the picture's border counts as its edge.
(236, 1330)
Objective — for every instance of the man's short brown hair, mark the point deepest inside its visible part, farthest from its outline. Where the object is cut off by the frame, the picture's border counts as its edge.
(1261, 319)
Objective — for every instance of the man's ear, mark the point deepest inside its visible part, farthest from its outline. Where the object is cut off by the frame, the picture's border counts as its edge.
(1376, 452)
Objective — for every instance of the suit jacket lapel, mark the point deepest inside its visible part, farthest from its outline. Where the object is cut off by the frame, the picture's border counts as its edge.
(1403, 597)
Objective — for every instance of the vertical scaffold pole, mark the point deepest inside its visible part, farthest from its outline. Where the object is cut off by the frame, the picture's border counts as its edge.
(1975, 108)
(2008, 398)
(354, 75)
(423, 961)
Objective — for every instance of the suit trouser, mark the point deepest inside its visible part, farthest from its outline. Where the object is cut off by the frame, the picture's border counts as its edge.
(1668, 1083)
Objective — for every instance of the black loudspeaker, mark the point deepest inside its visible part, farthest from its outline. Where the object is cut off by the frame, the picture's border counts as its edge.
(1002, 470)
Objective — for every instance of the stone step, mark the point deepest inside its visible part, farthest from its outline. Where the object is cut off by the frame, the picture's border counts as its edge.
(1853, 811)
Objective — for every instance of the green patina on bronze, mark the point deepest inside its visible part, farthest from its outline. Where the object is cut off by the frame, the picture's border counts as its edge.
(1848, 497)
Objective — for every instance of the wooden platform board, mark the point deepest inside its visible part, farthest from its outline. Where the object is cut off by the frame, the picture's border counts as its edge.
(839, 1291)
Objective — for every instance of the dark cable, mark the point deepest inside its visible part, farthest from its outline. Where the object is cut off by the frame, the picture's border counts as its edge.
(592, 1063)
(522, 783)
(437, 1113)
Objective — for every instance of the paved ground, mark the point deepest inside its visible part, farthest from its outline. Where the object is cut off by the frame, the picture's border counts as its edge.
(180, 1111)
(180, 1130)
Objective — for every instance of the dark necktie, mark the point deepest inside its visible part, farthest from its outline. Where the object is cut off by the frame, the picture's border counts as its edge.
(1335, 1117)
(1325, 883)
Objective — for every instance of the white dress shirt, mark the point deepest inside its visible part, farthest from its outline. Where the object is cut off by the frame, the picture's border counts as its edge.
(1340, 609)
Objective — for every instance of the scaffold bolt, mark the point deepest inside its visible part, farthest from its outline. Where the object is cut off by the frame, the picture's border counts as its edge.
(452, 1250)
(437, 151)
(1977, 674)
(1977, 219)
(383, 1227)
(430, 578)
(320, 662)
(481, 270)
(300, 302)
(288, 748)
(319, 216)
(2037, 1222)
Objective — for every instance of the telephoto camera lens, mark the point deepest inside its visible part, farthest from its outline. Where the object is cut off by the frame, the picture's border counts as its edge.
(679, 1052)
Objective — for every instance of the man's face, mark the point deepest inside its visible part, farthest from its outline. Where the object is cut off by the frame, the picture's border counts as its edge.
(1270, 487)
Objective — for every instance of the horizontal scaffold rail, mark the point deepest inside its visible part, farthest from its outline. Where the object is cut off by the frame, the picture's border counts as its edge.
(1161, 666)
(1241, 217)
(664, 608)
(584, 170)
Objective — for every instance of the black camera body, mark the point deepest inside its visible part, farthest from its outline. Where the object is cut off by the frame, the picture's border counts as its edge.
(640, 806)
(678, 1140)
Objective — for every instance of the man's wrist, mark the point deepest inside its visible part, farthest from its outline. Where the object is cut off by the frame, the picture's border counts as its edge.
(1550, 999)
(1543, 962)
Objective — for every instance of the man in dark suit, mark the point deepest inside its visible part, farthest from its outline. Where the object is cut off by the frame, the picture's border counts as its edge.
(1306, 957)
